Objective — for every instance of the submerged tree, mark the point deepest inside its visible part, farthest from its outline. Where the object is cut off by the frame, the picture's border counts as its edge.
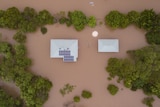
(115, 19)
(43, 30)
(10, 18)
(44, 17)
(91, 21)
(133, 17)
(86, 94)
(148, 101)
(142, 71)
(153, 37)
(7, 100)
(14, 66)
(20, 37)
(146, 20)
(78, 19)
(112, 89)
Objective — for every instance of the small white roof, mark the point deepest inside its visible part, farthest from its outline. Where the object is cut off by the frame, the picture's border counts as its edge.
(108, 45)
(63, 44)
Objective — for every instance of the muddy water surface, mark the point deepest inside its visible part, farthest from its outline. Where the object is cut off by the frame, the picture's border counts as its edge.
(89, 71)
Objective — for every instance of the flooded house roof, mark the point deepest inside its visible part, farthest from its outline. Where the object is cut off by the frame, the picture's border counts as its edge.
(64, 48)
(108, 45)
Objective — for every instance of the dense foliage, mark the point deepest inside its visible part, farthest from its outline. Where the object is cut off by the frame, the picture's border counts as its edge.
(147, 20)
(86, 94)
(27, 21)
(153, 37)
(142, 71)
(14, 66)
(112, 89)
(148, 101)
(116, 19)
(8, 101)
(91, 21)
(78, 19)
(133, 17)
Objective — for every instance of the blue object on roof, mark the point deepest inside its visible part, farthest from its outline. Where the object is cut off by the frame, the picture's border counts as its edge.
(68, 59)
(64, 52)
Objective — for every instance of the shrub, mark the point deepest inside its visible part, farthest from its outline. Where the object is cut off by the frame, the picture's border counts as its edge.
(92, 21)
(68, 22)
(76, 99)
(148, 101)
(67, 89)
(86, 94)
(43, 30)
(112, 89)
(20, 37)
(62, 20)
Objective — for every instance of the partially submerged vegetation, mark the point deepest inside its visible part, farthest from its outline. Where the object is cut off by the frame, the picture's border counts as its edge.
(76, 99)
(78, 19)
(86, 94)
(67, 88)
(26, 21)
(148, 101)
(7, 100)
(112, 89)
(147, 20)
(14, 61)
(14, 67)
(140, 71)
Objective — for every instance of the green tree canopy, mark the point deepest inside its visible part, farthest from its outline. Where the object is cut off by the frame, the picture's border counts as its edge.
(10, 18)
(86, 94)
(153, 37)
(78, 19)
(115, 19)
(14, 66)
(146, 20)
(20, 37)
(112, 89)
(141, 71)
(7, 100)
(133, 17)
(91, 21)
(44, 17)
(148, 101)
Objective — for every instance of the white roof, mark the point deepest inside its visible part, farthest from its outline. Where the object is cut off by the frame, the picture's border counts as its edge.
(108, 45)
(63, 44)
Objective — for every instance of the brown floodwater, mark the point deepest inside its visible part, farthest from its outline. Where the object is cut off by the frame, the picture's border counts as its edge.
(89, 71)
